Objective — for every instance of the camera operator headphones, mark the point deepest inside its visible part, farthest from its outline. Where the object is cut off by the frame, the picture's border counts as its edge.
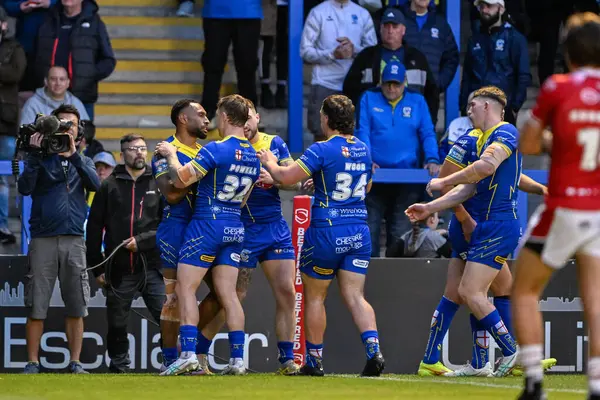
(80, 126)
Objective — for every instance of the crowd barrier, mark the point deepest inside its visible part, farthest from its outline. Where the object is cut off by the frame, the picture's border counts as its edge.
(403, 292)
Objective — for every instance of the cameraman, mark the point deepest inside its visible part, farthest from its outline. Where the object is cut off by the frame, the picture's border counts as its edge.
(57, 184)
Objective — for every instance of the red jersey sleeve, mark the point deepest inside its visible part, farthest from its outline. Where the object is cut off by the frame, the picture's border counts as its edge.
(548, 99)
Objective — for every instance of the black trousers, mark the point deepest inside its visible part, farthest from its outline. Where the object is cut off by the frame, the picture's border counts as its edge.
(218, 35)
(282, 38)
(118, 307)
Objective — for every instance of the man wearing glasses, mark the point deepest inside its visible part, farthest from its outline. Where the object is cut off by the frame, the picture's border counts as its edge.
(128, 207)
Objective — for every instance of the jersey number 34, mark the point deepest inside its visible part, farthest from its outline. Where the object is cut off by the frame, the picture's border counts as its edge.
(343, 190)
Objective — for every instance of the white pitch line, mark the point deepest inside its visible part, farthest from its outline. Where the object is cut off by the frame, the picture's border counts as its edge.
(458, 382)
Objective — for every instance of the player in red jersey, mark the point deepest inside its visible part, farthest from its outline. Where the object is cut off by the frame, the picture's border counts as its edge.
(567, 225)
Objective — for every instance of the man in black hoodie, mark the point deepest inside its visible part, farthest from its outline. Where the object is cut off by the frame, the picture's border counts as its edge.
(125, 213)
(74, 37)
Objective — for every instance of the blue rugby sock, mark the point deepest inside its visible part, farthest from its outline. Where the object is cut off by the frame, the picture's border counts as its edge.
(286, 351)
(371, 341)
(496, 327)
(236, 344)
(203, 344)
(188, 336)
(481, 344)
(502, 304)
(313, 352)
(169, 355)
(440, 322)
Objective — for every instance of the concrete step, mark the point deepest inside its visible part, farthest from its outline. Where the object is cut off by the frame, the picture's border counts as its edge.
(158, 88)
(155, 32)
(149, 11)
(139, 3)
(110, 136)
(141, 64)
(158, 55)
(137, 20)
(158, 45)
(166, 76)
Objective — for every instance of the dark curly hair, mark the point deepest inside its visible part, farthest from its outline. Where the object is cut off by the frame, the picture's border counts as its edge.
(582, 43)
(340, 113)
(179, 106)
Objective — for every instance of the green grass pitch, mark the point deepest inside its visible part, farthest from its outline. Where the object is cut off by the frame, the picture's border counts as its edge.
(268, 386)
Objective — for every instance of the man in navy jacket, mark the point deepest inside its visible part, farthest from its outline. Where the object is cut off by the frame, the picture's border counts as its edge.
(497, 55)
(57, 185)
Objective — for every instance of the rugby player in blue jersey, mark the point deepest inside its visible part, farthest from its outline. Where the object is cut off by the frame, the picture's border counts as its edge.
(226, 172)
(191, 123)
(462, 154)
(338, 240)
(494, 177)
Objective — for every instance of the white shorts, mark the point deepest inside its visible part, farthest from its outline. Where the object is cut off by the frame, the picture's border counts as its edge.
(564, 233)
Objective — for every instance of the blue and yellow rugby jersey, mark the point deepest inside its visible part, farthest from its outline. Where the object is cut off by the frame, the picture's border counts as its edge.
(264, 204)
(464, 153)
(185, 208)
(230, 168)
(497, 195)
(341, 168)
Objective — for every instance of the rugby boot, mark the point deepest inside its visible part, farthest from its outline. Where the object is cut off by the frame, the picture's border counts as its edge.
(436, 369)
(235, 367)
(203, 360)
(506, 365)
(182, 365)
(546, 365)
(374, 365)
(32, 368)
(535, 391)
(289, 368)
(468, 370)
(317, 370)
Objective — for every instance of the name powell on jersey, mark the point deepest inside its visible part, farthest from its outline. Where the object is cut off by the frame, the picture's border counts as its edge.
(242, 169)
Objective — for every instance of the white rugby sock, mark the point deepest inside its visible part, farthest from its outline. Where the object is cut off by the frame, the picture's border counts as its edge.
(531, 360)
(593, 372)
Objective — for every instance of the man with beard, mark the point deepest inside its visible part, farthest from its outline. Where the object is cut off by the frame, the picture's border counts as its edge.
(497, 55)
(128, 209)
(191, 123)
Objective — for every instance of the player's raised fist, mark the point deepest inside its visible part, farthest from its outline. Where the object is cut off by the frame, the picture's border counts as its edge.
(266, 157)
(417, 212)
(434, 185)
(166, 149)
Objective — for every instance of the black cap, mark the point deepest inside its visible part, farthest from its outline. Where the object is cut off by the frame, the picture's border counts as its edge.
(393, 16)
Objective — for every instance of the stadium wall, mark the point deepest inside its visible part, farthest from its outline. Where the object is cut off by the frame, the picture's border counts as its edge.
(404, 293)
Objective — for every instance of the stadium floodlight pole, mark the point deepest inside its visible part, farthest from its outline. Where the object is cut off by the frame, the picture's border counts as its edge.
(295, 77)
(451, 110)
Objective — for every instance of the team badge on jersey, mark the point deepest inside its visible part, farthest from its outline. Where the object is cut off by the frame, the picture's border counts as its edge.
(238, 154)
(345, 151)
(500, 45)
(435, 33)
(406, 111)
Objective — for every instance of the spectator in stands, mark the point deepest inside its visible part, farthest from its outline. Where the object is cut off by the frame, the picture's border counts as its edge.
(236, 21)
(430, 33)
(53, 94)
(75, 38)
(105, 164)
(12, 68)
(395, 124)
(186, 8)
(334, 33)
(425, 240)
(30, 15)
(366, 69)
(497, 55)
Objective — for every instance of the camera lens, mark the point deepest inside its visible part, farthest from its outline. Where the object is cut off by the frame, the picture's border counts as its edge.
(54, 144)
